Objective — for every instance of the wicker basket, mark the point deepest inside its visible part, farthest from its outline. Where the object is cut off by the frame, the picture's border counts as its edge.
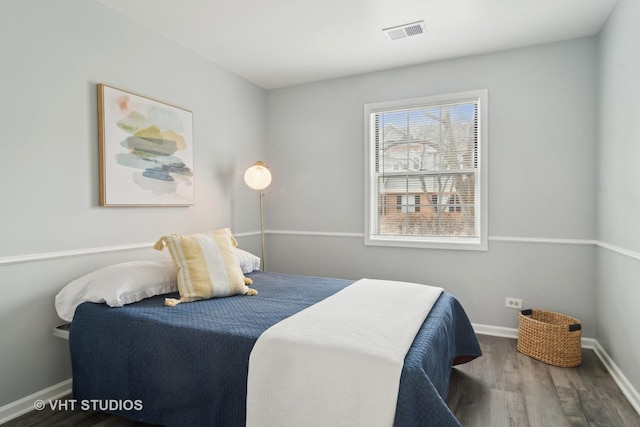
(550, 337)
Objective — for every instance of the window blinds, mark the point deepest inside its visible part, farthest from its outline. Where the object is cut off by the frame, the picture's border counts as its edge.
(426, 170)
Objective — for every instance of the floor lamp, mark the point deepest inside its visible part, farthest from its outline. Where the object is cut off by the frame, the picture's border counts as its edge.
(258, 178)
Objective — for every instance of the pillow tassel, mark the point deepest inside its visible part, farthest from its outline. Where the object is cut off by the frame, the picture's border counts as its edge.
(170, 302)
(159, 245)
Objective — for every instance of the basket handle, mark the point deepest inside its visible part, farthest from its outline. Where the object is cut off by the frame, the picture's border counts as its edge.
(572, 328)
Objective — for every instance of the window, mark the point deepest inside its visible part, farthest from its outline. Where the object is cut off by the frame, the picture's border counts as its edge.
(405, 203)
(425, 179)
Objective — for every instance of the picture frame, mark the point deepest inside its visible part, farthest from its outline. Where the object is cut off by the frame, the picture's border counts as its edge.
(145, 150)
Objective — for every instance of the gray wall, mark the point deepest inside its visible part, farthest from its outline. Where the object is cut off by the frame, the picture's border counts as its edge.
(53, 55)
(618, 292)
(542, 157)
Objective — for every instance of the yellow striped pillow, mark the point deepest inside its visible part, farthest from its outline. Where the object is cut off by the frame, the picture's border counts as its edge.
(207, 267)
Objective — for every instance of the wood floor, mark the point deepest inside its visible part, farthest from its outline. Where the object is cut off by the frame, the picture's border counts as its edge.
(507, 388)
(501, 388)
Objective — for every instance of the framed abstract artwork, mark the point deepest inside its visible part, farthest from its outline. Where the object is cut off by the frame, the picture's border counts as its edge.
(146, 151)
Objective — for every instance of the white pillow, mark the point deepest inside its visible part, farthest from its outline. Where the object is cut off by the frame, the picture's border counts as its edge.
(248, 261)
(117, 285)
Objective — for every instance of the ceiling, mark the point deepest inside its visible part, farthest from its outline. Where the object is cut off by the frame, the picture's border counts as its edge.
(278, 43)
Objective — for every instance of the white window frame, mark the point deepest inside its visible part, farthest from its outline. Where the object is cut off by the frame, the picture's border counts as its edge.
(371, 202)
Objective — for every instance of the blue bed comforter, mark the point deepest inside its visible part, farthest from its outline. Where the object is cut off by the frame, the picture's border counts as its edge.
(187, 365)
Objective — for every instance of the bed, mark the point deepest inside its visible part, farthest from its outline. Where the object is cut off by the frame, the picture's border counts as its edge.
(187, 365)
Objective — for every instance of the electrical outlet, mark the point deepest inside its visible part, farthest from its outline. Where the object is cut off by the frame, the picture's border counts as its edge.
(513, 303)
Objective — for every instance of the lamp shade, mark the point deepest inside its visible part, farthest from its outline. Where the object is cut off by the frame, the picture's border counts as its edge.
(257, 176)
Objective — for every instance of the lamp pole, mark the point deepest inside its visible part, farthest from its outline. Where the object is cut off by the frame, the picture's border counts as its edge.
(258, 177)
(263, 259)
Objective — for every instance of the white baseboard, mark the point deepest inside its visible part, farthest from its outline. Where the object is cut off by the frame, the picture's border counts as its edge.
(499, 331)
(495, 331)
(26, 404)
(627, 389)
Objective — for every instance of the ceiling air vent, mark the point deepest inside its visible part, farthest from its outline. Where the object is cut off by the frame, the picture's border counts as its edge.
(406, 30)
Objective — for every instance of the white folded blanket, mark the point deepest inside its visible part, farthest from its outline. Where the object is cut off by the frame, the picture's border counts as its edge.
(338, 362)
